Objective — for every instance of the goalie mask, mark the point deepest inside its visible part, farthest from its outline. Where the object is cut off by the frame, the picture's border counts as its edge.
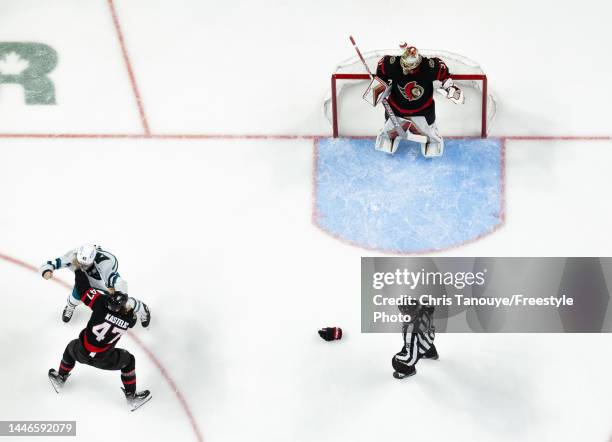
(410, 59)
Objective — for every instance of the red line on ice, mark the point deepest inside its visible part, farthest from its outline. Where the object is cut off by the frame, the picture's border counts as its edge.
(557, 137)
(502, 167)
(173, 386)
(159, 136)
(195, 136)
(128, 65)
(149, 353)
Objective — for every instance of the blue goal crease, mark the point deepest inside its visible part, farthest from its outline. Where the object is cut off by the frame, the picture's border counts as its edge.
(404, 202)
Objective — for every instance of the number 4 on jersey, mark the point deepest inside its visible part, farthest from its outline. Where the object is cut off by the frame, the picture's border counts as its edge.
(101, 330)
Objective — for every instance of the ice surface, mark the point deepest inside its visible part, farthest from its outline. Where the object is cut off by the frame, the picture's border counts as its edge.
(406, 203)
(216, 234)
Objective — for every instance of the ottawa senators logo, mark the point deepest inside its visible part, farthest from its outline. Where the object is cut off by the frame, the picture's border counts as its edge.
(411, 91)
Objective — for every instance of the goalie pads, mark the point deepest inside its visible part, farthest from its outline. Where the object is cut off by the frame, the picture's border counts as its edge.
(417, 129)
(377, 91)
(452, 92)
(432, 149)
(386, 144)
(388, 139)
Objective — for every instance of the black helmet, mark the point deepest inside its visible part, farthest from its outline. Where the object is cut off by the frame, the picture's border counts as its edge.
(116, 302)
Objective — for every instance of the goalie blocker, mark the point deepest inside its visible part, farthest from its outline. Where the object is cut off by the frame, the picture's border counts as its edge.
(405, 85)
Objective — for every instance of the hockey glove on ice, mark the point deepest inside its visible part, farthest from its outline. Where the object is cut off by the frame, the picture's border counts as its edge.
(331, 333)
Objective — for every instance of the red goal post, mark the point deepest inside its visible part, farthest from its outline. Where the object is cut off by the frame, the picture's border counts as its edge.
(474, 77)
(463, 70)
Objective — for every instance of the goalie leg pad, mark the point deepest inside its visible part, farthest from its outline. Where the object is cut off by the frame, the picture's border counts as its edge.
(434, 144)
(433, 150)
(384, 143)
(387, 140)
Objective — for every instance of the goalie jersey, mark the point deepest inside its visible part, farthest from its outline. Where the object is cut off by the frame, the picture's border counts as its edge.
(412, 93)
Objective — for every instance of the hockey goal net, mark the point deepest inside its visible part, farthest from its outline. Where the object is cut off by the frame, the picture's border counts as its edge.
(467, 74)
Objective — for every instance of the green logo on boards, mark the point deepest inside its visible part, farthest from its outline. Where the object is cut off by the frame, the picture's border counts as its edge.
(28, 64)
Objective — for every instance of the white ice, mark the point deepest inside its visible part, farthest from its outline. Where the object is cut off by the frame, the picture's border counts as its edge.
(216, 235)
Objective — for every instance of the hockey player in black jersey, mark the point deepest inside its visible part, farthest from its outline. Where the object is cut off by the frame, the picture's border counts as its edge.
(418, 336)
(409, 81)
(102, 270)
(111, 318)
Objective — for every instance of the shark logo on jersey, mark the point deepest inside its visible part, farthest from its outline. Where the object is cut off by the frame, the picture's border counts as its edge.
(411, 91)
(93, 273)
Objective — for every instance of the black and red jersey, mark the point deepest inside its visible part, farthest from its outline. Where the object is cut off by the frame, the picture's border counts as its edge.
(105, 327)
(412, 93)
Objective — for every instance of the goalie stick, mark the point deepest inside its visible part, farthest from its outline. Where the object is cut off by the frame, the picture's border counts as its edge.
(398, 127)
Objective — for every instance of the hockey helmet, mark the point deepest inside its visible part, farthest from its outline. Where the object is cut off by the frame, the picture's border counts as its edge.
(116, 302)
(410, 58)
(85, 256)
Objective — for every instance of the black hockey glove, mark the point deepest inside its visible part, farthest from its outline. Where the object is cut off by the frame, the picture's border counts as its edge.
(331, 333)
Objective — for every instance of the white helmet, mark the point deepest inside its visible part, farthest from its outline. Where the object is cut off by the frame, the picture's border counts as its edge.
(85, 255)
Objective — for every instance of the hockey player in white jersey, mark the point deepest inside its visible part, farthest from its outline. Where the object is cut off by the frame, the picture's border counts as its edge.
(101, 268)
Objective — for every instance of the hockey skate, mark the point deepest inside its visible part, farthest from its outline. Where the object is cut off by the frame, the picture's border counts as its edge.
(67, 313)
(405, 373)
(432, 353)
(137, 399)
(145, 320)
(401, 366)
(57, 380)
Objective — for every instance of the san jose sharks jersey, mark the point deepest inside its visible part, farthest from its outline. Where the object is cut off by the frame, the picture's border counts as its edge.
(412, 93)
(103, 274)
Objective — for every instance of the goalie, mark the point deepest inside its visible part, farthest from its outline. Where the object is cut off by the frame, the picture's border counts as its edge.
(407, 83)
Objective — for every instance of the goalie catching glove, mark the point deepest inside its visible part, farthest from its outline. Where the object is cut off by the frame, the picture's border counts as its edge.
(452, 92)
